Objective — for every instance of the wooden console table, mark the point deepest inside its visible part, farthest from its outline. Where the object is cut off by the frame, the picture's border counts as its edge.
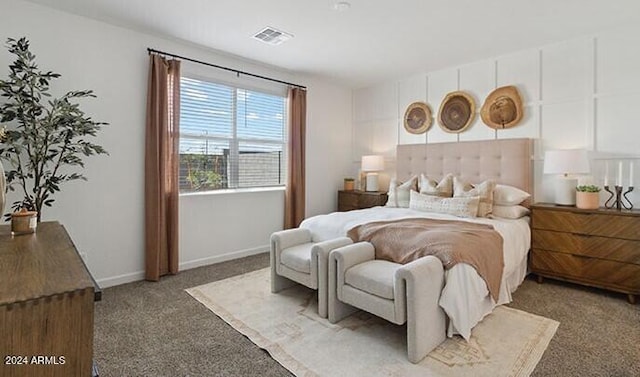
(46, 305)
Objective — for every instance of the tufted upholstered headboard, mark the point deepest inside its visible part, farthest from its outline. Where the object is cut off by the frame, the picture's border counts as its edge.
(507, 161)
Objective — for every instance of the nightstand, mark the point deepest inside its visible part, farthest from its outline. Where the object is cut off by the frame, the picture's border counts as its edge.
(355, 199)
(599, 248)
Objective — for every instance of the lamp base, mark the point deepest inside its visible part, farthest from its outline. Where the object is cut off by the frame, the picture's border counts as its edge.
(565, 191)
(372, 182)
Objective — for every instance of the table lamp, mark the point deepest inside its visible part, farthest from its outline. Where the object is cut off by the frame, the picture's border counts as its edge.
(371, 165)
(566, 162)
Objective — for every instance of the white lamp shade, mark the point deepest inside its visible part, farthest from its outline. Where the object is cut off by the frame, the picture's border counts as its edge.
(372, 163)
(568, 161)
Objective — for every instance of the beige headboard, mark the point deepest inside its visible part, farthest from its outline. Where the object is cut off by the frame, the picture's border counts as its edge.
(507, 161)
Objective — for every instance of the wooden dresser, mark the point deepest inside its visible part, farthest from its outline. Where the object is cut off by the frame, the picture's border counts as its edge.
(46, 305)
(599, 248)
(355, 199)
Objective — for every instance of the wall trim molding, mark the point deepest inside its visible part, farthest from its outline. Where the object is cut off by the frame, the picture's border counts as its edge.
(223, 257)
(120, 279)
(139, 275)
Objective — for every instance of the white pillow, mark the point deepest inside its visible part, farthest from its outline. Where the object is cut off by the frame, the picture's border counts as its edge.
(505, 195)
(461, 207)
(484, 190)
(429, 186)
(510, 212)
(399, 193)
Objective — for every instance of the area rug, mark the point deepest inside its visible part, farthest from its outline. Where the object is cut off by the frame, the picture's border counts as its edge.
(508, 342)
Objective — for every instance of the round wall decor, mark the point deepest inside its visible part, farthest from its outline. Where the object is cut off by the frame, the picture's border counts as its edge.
(457, 112)
(417, 118)
(502, 108)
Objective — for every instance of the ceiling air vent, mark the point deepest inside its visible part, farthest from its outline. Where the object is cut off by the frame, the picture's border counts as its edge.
(272, 36)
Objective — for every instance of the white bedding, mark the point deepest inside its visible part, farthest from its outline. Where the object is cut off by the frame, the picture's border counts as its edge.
(465, 297)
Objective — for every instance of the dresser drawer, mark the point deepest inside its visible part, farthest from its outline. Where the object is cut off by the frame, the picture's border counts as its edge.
(602, 273)
(615, 249)
(607, 225)
(368, 201)
(348, 200)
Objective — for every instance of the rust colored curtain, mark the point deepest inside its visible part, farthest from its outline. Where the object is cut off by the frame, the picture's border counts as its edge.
(161, 168)
(295, 193)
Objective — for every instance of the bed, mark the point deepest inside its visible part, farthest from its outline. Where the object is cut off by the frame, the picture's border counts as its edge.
(465, 297)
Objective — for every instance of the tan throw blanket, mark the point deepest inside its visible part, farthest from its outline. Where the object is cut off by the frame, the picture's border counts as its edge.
(403, 241)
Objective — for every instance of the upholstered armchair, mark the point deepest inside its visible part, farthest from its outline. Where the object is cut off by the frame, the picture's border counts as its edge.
(398, 293)
(295, 258)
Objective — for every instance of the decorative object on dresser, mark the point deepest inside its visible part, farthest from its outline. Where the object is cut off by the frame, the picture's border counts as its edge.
(349, 184)
(621, 197)
(417, 118)
(371, 165)
(46, 303)
(355, 199)
(588, 197)
(565, 162)
(46, 140)
(599, 247)
(502, 108)
(457, 111)
(23, 222)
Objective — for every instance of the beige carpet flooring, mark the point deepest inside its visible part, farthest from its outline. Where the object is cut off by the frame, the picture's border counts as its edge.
(157, 329)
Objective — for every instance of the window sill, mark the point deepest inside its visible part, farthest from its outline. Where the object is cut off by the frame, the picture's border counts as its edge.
(233, 191)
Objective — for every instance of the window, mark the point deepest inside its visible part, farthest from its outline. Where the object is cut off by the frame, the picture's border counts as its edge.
(230, 137)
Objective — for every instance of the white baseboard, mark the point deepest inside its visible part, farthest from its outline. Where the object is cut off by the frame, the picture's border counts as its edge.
(139, 275)
(120, 279)
(223, 257)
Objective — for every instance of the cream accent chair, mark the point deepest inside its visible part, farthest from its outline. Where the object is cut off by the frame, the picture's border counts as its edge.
(295, 258)
(398, 293)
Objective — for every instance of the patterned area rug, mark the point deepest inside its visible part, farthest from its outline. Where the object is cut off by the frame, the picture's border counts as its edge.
(507, 342)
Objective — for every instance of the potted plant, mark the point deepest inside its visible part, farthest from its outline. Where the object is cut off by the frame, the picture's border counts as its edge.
(44, 139)
(588, 196)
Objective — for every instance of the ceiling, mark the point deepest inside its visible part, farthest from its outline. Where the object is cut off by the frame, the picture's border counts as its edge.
(373, 41)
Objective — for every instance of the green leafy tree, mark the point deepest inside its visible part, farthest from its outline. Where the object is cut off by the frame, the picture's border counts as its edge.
(200, 175)
(46, 139)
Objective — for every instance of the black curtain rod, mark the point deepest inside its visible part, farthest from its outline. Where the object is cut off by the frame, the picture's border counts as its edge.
(153, 51)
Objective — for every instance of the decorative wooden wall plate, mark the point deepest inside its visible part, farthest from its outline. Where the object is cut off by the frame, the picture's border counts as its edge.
(417, 118)
(457, 111)
(502, 108)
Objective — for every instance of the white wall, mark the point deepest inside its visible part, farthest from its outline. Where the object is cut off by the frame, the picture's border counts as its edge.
(580, 93)
(104, 216)
(328, 151)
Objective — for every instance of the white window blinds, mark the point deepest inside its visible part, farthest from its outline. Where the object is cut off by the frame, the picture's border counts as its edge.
(230, 137)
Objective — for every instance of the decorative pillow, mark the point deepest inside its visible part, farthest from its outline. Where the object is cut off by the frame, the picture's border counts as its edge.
(483, 190)
(444, 188)
(399, 193)
(505, 195)
(509, 212)
(461, 207)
